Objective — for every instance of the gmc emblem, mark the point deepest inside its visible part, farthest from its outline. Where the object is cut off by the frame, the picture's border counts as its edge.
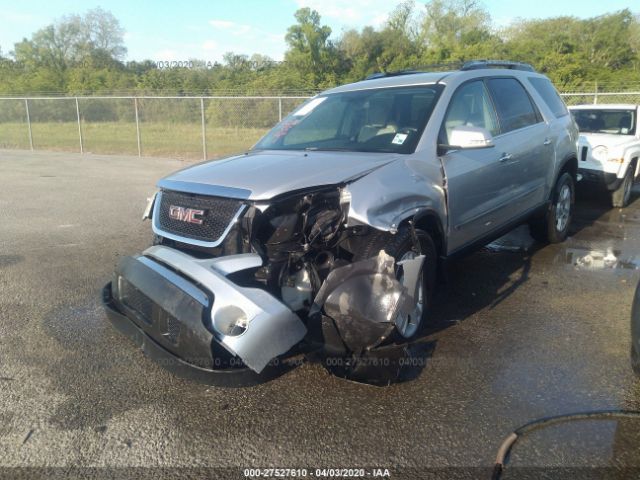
(182, 214)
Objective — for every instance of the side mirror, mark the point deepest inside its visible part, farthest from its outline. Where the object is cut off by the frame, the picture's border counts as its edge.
(464, 137)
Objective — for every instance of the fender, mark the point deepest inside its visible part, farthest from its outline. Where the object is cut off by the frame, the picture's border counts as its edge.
(396, 193)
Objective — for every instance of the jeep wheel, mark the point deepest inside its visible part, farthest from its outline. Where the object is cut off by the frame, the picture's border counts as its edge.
(554, 226)
(401, 247)
(621, 196)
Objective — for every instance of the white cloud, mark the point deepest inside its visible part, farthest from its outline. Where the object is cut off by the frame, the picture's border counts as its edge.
(209, 45)
(217, 37)
(352, 13)
(232, 27)
(167, 54)
(222, 23)
(25, 18)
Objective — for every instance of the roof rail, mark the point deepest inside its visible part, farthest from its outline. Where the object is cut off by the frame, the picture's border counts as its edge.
(479, 64)
(375, 75)
(419, 69)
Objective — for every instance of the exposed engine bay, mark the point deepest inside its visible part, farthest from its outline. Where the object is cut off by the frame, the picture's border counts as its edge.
(301, 237)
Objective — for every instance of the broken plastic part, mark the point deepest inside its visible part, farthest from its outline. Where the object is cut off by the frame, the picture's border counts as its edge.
(149, 208)
(385, 365)
(412, 273)
(364, 298)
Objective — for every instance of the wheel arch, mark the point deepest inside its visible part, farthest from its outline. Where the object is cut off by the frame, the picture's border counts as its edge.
(429, 221)
(570, 166)
(634, 164)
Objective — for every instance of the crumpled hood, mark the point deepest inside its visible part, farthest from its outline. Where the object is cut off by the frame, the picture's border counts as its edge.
(261, 175)
(610, 140)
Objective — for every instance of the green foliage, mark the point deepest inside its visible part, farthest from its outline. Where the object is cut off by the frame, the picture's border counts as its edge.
(82, 54)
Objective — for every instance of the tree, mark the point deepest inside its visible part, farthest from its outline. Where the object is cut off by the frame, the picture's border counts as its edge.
(310, 51)
(401, 39)
(550, 45)
(102, 32)
(455, 30)
(73, 39)
(605, 39)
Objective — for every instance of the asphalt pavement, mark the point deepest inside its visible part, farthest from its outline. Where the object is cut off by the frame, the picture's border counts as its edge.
(519, 331)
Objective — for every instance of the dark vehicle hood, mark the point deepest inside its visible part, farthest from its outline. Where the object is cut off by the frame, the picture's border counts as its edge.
(261, 175)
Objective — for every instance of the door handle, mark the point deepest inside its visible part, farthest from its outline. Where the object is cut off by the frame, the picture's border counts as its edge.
(547, 141)
(505, 157)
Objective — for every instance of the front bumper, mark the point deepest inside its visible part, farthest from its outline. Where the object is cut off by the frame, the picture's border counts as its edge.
(171, 304)
(599, 178)
(229, 377)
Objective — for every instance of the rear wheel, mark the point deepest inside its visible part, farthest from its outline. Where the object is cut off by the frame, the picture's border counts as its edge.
(620, 197)
(401, 247)
(554, 226)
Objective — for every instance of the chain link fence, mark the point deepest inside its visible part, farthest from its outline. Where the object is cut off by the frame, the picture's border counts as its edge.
(581, 98)
(180, 127)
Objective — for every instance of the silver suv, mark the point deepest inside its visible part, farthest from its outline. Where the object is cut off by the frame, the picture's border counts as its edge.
(328, 234)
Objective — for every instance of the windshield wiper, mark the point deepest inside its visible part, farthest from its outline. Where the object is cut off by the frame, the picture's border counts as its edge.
(320, 149)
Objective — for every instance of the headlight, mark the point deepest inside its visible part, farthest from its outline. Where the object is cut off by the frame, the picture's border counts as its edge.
(600, 153)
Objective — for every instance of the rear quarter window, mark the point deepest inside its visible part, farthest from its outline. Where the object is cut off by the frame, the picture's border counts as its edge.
(550, 96)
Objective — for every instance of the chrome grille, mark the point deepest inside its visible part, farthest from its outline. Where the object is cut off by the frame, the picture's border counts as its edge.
(218, 214)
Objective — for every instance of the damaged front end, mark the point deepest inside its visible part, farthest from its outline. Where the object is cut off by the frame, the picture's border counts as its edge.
(245, 286)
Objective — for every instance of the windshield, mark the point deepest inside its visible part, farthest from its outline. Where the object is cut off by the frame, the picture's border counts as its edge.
(376, 120)
(617, 122)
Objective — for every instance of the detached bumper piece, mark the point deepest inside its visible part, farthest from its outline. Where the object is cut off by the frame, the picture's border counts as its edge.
(186, 314)
(357, 307)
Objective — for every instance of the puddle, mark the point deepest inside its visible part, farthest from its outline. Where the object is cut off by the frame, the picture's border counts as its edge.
(599, 259)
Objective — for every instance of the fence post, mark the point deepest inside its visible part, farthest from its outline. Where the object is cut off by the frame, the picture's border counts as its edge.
(279, 109)
(135, 104)
(595, 96)
(79, 126)
(26, 107)
(204, 130)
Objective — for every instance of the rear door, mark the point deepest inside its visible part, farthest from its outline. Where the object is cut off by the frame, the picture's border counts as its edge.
(526, 140)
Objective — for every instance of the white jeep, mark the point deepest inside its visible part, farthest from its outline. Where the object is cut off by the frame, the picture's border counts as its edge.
(609, 148)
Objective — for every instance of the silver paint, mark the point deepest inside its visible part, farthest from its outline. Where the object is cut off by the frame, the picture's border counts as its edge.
(272, 328)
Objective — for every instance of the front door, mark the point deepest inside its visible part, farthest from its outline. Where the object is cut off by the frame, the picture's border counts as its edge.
(477, 187)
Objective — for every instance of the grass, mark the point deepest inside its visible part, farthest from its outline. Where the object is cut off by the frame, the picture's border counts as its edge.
(178, 140)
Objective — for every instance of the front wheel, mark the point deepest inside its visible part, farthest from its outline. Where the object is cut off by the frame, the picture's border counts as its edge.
(401, 247)
(621, 196)
(554, 226)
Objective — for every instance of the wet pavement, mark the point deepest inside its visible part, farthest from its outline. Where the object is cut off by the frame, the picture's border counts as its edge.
(519, 331)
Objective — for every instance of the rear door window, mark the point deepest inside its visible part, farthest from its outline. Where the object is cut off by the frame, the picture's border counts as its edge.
(514, 106)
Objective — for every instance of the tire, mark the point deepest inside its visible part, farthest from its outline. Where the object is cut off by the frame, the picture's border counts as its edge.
(621, 196)
(553, 227)
(398, 246)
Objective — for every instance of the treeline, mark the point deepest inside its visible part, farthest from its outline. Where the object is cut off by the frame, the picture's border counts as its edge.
(84, 54)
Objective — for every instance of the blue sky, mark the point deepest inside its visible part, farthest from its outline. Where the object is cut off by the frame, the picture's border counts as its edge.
(207, 29)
